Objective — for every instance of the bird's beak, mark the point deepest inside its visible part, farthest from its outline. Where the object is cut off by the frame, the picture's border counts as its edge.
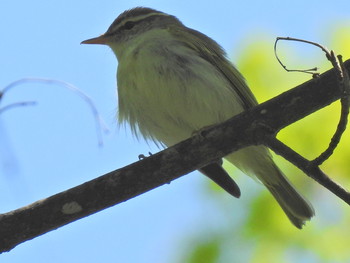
(96, 40)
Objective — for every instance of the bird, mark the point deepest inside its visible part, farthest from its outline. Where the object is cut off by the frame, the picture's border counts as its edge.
(173, 81)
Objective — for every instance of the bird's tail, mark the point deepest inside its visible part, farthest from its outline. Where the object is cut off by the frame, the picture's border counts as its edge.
(256, 160)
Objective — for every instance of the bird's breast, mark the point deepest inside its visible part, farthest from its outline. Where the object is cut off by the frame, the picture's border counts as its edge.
(166, 93)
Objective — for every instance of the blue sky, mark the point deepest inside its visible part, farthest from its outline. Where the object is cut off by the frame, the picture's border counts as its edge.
(53, 146)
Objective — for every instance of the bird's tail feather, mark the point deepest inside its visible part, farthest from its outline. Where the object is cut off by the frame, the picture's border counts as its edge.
(256, 160)
(295, 206)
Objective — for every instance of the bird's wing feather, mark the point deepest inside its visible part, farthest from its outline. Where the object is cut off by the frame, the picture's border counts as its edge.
(209, 50)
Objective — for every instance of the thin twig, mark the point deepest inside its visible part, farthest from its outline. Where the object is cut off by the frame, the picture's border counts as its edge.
(343, 82)
(344, 113)
(308, 71)
(17, 104)
(100, 124)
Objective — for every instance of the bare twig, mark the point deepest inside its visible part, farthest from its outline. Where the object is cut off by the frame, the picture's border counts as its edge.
(100, 125)
(343, 82)
(309, 71)
(17, 104)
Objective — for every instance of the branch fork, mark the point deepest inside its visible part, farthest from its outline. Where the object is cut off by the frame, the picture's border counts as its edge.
(258, 125)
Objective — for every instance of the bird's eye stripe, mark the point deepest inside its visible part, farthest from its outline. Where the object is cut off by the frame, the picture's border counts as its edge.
(129, 24)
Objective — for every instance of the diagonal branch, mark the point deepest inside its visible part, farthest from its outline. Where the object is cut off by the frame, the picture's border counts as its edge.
(307, 167)
(247, 128)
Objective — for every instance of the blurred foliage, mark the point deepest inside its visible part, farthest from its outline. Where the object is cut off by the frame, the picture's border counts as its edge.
(254, 228)
(209, 251)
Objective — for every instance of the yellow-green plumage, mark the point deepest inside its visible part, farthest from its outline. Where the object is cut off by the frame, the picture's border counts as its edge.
(173, 81)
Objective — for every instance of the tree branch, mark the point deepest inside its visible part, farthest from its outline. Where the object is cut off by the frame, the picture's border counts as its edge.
(308, 167)
(251, 127)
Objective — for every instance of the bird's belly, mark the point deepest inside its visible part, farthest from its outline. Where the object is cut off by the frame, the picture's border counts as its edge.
(171, 118)
(166, 102)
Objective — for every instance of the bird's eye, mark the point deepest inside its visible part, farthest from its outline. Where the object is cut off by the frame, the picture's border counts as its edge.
(129, 25)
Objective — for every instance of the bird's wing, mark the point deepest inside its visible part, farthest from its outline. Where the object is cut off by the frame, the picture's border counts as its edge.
(218, 174)
(209, 50)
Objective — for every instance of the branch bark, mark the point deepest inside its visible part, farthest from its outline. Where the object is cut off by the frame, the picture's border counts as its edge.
(255, 126)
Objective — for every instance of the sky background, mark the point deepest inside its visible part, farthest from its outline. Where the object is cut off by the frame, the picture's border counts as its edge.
(50, 147)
